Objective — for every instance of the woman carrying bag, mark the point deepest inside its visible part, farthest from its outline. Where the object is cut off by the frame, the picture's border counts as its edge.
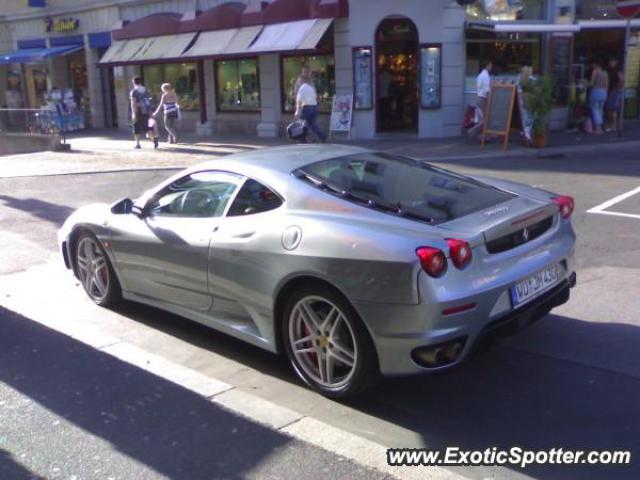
(169, 101)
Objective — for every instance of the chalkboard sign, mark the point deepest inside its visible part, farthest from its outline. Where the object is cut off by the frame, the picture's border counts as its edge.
(499, 111)
(560, 60)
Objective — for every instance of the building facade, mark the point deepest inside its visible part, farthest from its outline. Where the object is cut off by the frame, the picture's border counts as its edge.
(410, 65)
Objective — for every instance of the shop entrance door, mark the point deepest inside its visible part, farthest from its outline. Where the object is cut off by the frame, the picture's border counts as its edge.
(397, 76)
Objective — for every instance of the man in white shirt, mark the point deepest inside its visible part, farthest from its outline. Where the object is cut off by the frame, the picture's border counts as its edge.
(307, 107)
(483, 86)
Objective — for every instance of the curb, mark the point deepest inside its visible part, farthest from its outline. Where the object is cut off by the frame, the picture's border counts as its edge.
(549, 152)
(279, 418)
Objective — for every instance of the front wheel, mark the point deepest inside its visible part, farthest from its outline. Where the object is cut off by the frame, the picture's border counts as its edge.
(95, 271)
(327, 343)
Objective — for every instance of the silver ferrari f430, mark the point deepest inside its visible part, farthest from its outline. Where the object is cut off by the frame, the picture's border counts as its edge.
(352, 262)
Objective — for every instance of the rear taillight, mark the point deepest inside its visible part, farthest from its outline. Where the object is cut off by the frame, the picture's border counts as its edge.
(460, 252)
(432, 260)
(566, 204)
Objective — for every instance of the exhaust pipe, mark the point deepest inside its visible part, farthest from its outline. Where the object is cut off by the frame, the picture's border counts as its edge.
(452, 351)
(439, 355)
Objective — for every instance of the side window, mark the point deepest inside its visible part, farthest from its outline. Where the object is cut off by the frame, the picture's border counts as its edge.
(198, 195)
(252, 198)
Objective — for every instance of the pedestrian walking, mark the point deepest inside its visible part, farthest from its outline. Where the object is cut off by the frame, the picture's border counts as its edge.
(140, 106)
(169, 102)
(305, 75)
(599, 84)
(483, 89)
(615, 96)
(307, 108)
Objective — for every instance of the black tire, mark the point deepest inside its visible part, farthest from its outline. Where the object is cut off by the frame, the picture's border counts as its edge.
(365, 369)
(109, 293)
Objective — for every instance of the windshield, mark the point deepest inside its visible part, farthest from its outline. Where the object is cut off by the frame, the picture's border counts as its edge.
(402, 186)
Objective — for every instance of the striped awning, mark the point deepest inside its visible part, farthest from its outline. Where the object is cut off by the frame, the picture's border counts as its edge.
(143, 50)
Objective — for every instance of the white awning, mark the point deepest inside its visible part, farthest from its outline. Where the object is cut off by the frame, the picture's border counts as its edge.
(522, 27)
(139, 50)
(223, 42)
(618, 23)
(122, 50)
(289, 36)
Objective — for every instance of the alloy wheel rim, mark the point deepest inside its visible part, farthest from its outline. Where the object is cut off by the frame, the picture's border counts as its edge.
(323, 342)
(93, 269)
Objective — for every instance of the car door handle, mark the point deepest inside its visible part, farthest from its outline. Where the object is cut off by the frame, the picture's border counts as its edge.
(244, 235)
(215, 229)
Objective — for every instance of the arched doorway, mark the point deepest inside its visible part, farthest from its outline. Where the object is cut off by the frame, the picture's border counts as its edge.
(397, 75)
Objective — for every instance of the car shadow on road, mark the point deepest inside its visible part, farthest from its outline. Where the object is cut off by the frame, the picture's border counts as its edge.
(172, 431)
(48, 211)
(11, 469)
(569, 395)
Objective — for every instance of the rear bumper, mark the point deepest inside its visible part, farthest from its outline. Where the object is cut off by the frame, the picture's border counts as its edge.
(399, 354)
(515, 321)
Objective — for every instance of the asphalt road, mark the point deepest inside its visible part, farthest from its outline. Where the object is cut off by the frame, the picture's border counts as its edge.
(571, 380)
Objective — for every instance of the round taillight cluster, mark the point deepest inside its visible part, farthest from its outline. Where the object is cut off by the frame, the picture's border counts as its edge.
(434, 261)
(460, 252)
(566, 205)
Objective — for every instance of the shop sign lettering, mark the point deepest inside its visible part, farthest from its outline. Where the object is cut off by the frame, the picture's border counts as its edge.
(61, 25)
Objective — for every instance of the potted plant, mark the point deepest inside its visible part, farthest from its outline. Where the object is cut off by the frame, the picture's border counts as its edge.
(539, 100)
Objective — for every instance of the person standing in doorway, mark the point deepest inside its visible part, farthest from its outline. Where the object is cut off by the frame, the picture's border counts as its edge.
(139, 104)
(385, 80)
(169, 101)
(616, 94)
(307, 108)
(599, 84)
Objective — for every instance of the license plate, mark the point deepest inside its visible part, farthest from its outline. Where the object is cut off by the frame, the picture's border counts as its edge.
(528, 289)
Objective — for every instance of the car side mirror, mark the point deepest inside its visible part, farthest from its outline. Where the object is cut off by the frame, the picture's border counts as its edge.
(122, 207)
(126, 207)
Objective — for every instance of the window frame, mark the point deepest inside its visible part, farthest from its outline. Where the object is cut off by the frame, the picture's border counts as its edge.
(245, 180)
(157, 194)
(283, 95)
(215, 76)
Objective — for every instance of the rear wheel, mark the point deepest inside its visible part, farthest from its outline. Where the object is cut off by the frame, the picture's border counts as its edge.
(327, 343)
(95, 271)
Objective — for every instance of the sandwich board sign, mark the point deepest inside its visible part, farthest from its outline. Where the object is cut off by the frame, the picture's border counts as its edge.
(341, 114)
(499, 112)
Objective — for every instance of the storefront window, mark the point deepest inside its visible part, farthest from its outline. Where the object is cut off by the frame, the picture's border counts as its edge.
(237, 85)
(508, 53)
(182, 76)
(595, 9)
(323, 68)
(499, 10)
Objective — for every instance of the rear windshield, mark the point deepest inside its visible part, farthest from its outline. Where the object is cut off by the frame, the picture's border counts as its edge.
(399, 185)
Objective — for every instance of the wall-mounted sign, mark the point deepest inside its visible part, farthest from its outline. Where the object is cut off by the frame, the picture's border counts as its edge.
(37, 3)
(362, 77)
(61, 25)
(430, 73)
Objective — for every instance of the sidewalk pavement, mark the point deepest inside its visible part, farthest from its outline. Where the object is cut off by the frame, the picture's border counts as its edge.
(109, 150)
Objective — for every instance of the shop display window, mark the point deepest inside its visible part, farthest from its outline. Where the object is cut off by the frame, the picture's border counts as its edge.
(238, 85)
(501, 10)
(508, 52)
(323, 68)
(182, 76)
